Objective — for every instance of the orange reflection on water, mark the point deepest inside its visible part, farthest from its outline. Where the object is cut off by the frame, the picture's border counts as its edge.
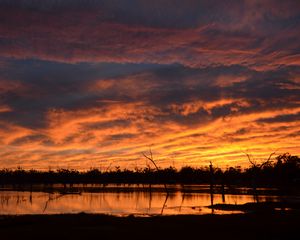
(115, 202)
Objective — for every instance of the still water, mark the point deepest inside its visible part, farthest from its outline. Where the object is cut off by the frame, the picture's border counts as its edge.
(119, 200)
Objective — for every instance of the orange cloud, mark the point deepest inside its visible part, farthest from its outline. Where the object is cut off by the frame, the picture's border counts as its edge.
(197, 81)
(84, 139)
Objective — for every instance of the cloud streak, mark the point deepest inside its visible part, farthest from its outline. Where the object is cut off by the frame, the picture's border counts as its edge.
(94, 83)
(251, 34)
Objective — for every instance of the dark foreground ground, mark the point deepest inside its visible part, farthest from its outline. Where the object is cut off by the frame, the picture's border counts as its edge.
(87, 226)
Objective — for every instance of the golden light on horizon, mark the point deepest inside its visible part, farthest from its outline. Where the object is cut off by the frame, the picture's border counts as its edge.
(92, 87)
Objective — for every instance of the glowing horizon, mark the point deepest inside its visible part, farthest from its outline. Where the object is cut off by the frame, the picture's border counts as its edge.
(97, 84)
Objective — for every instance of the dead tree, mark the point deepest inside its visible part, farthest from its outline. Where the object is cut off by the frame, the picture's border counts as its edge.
(157, 169)
(152, 160)
(255, 171)
(211, 171)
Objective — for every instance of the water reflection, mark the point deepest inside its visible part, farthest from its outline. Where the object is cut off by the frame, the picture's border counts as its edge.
(119, 200)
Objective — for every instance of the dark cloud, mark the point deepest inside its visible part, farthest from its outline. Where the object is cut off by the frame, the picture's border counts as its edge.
(105, 125)
(281, 118)
(50, 85)
(80, 75)
(72, 87)
(193, 33)
(119, 137)
(35, 138)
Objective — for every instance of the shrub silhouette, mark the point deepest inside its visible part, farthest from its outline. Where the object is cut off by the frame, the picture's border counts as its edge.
(283, 172)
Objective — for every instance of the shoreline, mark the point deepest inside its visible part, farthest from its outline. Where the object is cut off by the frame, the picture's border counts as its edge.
(266, 225)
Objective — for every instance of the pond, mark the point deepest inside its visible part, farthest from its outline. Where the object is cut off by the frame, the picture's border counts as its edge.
(123, 200)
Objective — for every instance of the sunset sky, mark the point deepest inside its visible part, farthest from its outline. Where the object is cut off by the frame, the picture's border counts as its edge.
(94, 83)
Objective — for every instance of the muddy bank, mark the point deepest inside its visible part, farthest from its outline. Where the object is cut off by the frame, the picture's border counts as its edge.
(89, 226)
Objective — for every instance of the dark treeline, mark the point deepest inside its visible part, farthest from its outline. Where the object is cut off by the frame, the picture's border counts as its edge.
(283, 171)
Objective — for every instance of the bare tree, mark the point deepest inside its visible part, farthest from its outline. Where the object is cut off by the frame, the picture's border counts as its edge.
(211, 171)
(150, 157)
(152, 160)
(255, 164)
(256, 168)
